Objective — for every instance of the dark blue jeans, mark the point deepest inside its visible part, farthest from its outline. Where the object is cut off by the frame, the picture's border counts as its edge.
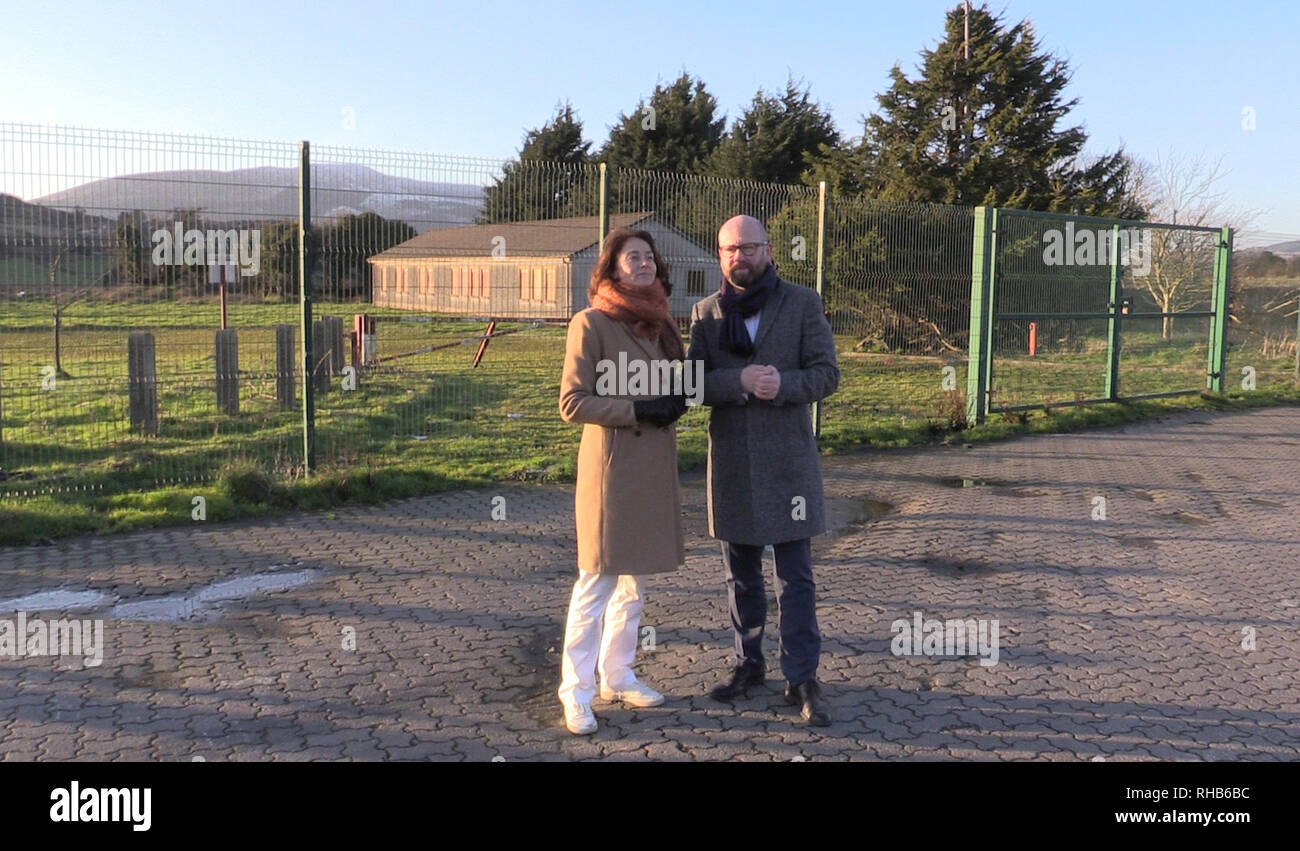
(801, 641)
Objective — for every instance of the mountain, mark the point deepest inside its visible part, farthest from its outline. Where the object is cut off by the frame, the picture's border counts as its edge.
(271, 192)
(1287, 249)
(1284, 249)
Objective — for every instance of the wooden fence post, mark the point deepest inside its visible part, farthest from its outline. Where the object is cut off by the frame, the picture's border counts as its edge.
(227, 347)
(284, 385)
(320, 370)
(142, 382)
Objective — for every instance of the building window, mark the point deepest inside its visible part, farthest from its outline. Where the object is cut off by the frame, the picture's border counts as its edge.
(550, 284)
(390, 278)
(695, 282)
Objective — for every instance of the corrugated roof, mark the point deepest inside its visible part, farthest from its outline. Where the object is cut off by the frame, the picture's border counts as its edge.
(538, 238)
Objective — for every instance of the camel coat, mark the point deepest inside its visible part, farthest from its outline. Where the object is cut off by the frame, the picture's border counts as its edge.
(628, 500)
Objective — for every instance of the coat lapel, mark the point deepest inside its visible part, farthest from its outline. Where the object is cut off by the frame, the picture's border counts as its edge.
(767, 316)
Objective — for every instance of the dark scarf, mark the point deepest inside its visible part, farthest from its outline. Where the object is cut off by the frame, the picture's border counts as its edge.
(739, 304)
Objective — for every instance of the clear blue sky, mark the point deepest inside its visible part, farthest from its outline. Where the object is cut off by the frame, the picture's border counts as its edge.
(470, 78)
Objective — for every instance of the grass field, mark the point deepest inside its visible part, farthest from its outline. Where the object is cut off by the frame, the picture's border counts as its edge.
(416, 424)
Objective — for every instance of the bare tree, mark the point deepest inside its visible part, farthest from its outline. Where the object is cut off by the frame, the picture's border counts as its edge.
(62, 301)
(1184, 189)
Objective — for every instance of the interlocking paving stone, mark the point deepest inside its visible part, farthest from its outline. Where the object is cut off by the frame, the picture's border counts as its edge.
(1123, 638)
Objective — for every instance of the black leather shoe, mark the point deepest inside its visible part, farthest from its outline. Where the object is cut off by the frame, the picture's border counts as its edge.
(741, 680)
(808, 696)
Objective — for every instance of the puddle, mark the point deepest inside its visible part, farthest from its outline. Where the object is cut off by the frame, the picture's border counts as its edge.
(958, 482)
(1134, 541)
(61, 600)
(875, 508)
(1003, 488)
(1189, 519)
(183, 606)
(949, 566)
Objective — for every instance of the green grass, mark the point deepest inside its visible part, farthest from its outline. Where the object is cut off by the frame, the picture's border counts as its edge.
(432, 421)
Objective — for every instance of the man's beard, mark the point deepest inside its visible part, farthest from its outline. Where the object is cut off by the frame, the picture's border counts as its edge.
(744, 275)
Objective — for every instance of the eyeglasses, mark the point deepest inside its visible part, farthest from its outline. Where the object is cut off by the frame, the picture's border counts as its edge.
(747, 249)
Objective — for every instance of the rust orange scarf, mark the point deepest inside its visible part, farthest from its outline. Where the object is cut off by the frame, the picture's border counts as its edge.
(646, 308)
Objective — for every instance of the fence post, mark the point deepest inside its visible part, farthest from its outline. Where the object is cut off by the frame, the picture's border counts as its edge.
(604, 206)
(304, 300)
(1219, 329)
(227, 357)
(284, 386)
(821, 263)
(978, 371)
(320, 370)
(338, 344)
(142, 382)
(1112, 325)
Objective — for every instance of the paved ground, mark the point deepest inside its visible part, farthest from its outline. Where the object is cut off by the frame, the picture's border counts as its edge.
(1124, 638)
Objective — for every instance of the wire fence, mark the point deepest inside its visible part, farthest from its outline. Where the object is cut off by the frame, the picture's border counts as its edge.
(153, 328)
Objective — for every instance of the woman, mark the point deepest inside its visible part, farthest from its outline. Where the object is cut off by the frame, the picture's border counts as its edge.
(627, 506)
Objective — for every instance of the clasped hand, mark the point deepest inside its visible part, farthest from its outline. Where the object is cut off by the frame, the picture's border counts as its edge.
(763, 381)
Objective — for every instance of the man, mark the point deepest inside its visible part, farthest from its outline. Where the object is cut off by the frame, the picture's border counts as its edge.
(768, 353)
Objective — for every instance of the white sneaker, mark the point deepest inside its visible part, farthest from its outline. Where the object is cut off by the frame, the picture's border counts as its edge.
(579, 719)
(638, 694)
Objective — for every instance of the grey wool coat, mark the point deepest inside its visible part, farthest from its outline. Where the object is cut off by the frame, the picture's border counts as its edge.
(627, 503)
(762, 454)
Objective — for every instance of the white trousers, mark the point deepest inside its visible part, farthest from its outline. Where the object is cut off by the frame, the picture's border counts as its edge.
(601, 634)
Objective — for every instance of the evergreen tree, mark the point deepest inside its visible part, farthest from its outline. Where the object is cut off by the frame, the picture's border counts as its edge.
(550, 179)
(776, 139)
(345, 246)
(988, 129)
(675, 131)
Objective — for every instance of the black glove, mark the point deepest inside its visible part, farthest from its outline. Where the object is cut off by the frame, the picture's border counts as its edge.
(663, 411)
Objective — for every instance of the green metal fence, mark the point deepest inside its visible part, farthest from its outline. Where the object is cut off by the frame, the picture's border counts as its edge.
(155, 328)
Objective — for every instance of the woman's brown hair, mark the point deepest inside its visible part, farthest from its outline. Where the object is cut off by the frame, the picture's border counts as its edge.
(605, 276)
(607, 264)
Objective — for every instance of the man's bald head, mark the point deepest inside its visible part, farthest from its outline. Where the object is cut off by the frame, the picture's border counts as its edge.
(736, 236)
(741, 229)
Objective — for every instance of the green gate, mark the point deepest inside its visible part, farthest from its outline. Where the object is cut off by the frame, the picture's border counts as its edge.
(1069, 310)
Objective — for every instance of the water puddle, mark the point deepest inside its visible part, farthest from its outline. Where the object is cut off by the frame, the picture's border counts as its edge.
(1135, 541)
(1187, 518)
(875, 508)
(1001, 487)
(61, 600)
(958, 482)
(183, 606)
